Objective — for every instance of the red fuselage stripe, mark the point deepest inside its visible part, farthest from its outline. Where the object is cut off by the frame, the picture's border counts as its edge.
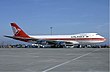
(98, 39)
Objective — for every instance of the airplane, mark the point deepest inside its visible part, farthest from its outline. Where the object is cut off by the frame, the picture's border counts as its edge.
(56, 40)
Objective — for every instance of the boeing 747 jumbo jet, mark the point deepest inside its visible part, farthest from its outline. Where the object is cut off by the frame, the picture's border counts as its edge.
(56, 40)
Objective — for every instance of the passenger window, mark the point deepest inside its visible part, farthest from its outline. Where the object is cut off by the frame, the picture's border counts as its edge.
(87, 36)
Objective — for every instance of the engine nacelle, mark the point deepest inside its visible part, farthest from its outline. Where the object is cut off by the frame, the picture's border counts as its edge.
(60, 44)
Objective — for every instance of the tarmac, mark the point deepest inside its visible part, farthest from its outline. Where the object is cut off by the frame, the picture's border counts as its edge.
(54, 59)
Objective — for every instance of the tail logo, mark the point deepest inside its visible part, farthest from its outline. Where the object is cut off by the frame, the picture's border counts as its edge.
(16, 30)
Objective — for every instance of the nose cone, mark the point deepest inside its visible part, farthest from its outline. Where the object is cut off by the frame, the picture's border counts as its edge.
(104, 39)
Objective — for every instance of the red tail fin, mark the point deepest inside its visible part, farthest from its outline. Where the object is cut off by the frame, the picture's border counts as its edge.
(18, 31)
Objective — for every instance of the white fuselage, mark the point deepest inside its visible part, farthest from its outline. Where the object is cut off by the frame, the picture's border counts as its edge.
(82, 38)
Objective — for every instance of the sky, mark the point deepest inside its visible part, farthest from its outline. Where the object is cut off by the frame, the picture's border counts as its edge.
(64, 16)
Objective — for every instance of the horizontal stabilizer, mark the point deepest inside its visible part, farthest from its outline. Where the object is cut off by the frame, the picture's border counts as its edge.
(20, 38)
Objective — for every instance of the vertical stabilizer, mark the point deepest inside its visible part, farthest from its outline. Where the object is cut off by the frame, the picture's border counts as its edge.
(18, 31)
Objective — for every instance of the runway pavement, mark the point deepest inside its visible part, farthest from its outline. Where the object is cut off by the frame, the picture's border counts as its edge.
(54, 60)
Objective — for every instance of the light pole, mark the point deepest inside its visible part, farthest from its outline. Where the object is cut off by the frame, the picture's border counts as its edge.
(51, 30)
